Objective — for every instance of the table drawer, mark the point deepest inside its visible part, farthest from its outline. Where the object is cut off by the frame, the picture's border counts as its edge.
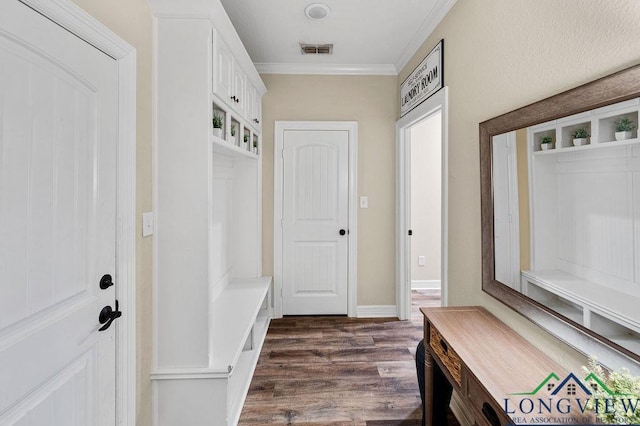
(488, 411)
(446, 354)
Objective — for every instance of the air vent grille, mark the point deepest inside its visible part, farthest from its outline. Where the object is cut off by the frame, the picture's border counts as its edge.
(316, 49)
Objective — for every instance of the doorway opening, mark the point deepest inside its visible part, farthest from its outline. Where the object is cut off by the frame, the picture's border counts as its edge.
(425, 211)
(421, 207)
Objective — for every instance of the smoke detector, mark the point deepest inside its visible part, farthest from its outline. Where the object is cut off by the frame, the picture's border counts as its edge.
(316, 49)
(317, 11)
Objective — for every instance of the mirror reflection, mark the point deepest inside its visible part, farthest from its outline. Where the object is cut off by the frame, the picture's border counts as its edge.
(566, 197)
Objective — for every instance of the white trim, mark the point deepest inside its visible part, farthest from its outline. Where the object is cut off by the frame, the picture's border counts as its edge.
(352, 282)
(460, 410)
(425, 284)
(377, 311)
(326, 69)
(437, 102)
(71, 17)
(433, 19)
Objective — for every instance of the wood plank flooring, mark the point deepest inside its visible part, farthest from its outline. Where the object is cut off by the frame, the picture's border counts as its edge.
(334, 370)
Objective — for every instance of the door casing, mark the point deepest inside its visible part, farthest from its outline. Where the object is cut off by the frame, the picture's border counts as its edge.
(71, 17)
(437, 102)
(280, 128)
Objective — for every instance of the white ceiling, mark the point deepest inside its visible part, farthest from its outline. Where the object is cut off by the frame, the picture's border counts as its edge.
(369, 36)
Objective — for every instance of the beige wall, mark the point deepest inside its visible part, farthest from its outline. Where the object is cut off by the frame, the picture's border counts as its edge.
(501, 55)
(426, 212)
(131, 20)
(372, 102)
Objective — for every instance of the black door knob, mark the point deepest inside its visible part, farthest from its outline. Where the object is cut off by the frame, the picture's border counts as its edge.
(107, 316)
(105, 282)
(342, 232)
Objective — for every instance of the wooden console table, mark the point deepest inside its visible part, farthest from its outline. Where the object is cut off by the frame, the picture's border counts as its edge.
(484, 360)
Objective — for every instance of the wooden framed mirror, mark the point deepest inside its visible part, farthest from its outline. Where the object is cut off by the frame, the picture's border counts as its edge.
(540, 290)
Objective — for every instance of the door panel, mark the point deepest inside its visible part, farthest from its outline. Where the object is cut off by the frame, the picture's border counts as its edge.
(315, 210)
(58, 129)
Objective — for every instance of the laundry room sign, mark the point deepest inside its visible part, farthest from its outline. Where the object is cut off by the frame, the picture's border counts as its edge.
(425, 80)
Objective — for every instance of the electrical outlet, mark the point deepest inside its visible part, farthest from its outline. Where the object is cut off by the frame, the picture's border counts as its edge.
(364, 202)
(147, 224)
(421, 260)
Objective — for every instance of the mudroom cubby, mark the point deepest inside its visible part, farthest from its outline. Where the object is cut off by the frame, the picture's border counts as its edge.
(584, 214)
(212, 306)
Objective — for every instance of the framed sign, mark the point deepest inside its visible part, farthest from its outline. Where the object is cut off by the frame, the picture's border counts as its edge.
(425, 80)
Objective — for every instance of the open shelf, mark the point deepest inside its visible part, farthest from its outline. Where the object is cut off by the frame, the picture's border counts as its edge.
(605, 310)
(235, 311)
(588, 147)
(222, 147)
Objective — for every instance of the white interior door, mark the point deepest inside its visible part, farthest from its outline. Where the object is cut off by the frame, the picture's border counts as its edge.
(505, 210)
(58, 130)
(315, 218)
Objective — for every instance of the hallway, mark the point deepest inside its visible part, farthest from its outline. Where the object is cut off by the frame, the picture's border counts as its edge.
(339, 371)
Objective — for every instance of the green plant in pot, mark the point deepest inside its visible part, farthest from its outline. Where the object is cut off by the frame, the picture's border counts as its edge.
(546, 143)
(255, 146)
(217, 125)
(246, 139)
(580, 136)
(624, 127)
(233, 130)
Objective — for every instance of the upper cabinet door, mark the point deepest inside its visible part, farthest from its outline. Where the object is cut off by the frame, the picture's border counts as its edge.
(253, 106)
(223, 72)
(238, 97)
(257, 110)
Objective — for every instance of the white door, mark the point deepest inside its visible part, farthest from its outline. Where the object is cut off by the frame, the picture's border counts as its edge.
(505, 213)
(315, 218)
(58, 130)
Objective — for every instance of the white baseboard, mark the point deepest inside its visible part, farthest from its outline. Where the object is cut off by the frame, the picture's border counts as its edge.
(377, 311)
(425, 285)
(458, 409)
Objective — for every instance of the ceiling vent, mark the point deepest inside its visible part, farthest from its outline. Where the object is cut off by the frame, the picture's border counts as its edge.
(316, 49)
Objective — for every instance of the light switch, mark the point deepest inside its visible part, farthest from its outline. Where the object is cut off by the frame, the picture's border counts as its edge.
(364, 202)
(147, 224)
(421, 260)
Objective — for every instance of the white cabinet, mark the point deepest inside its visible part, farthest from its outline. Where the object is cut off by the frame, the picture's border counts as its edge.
(232, 86)
(223, 76)
(212, 305)
(254, 106)
(238, 91)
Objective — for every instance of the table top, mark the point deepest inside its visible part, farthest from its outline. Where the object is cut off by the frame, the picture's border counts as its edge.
(502, 360)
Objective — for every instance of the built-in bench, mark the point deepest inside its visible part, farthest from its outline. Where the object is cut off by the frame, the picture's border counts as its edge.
(607, 311)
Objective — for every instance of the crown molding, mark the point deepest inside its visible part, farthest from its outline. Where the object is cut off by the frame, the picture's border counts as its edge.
(326, 69)
(434, 18)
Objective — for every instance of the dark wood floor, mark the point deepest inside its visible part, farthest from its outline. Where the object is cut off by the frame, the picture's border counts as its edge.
(339, 371)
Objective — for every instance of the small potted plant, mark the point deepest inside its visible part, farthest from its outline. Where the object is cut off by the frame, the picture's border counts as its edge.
(217, 125)
(233, 130)
(546, 143)
(580, 137)
(246, 141)
(255, 146)
(624, 126)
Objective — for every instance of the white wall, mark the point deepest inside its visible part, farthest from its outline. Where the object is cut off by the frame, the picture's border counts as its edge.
(426, 205)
